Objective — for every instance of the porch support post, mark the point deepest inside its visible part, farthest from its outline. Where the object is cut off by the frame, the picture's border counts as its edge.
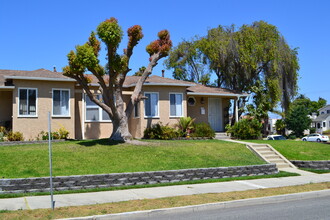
(236, 109)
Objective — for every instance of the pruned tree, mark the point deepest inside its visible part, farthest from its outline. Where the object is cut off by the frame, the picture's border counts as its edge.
(112, 76)
(140, 72)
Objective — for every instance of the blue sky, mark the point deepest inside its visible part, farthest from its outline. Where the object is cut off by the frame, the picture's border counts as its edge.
(39, 34)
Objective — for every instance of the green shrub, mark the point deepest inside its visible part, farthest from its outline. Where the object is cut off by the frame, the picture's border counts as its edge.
(159, 131)
(186, 125)
(292, 136)
(3, 130)
(247, 128)
(63, 133)
(313, 130)
(327, 132)
(14, 136)
(203, 130)
(2, 135)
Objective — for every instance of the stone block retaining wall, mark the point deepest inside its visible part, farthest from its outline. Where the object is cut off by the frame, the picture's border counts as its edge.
(127, 179)
(317, 165)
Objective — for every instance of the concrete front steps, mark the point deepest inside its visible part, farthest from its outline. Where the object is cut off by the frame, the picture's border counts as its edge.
(221, 136)
(269, 154)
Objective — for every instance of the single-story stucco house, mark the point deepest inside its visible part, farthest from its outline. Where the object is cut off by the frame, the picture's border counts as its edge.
(26, 97)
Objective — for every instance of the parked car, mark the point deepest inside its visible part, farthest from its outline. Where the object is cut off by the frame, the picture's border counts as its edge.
(316, 137)
(276, 137)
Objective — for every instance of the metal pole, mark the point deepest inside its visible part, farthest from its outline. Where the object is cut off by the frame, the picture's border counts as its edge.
(52, 204)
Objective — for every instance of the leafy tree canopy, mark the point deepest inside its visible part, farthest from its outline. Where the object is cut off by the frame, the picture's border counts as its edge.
(311, 106)
(241, 58)
(297, 120)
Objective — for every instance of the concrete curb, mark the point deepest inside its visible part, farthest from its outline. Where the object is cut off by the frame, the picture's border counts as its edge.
(210, 206)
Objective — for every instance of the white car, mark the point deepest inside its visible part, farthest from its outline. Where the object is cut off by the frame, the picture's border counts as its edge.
(276, 138)
(316, 137)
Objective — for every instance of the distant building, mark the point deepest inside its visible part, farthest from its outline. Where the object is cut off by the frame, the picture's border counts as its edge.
(322, 122)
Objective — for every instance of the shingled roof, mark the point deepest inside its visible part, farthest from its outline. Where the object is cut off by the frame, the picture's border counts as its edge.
(41, 74)
(130, 81)
(199, 89)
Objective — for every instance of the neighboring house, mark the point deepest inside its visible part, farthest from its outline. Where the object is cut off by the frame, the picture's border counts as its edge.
(26, 97)
(271, 129)
(322, 122)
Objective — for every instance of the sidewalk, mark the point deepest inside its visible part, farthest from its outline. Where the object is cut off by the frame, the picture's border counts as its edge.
(37, 202)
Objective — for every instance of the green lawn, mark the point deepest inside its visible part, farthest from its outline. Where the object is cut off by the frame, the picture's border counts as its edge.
(299, 150)
(97, 157)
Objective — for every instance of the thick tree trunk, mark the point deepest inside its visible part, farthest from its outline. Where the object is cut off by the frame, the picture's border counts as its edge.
(120, 130)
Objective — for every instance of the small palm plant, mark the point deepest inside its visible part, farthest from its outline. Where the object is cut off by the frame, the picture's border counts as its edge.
(186, 125)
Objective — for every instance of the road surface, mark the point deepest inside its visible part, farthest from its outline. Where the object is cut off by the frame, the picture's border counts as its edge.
(303, 209)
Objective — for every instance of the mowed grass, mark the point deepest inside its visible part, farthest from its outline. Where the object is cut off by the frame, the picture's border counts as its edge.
(97, 157)
(147, 204)
(299, 150)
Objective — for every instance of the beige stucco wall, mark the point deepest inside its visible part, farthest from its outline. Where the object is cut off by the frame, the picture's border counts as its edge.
(137, 125)
(79, 120)
(195, 111)
(6, 107)
(164, 106)
(92, 130)
(96, 130)
(32, 126)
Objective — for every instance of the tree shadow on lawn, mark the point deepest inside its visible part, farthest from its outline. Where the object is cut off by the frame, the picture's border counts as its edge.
(105, 141)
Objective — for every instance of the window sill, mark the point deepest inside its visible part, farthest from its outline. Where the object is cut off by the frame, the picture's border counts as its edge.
(176, 116)
(27, 116)
(98, 121)
(152, 117)
(61, 116)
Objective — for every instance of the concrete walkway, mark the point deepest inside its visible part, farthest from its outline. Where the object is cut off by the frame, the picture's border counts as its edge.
(77, 199)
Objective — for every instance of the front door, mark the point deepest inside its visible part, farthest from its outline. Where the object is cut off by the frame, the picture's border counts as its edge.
(215, 114)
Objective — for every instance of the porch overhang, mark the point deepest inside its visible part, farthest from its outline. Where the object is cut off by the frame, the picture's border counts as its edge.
(218, 94)
(7, 88)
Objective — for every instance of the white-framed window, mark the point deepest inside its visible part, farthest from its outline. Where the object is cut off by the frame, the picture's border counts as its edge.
(61, 102)
(151, 104)
(95, 113)
(176, 109)
(137, 110)
(27, 102)
(324, 125)
(328, 111)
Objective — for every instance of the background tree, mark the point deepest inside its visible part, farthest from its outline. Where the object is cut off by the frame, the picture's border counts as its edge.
(280, 127)
(242, 58)
(311, 106)
(297, 120)
(112, 76)
(188, 63)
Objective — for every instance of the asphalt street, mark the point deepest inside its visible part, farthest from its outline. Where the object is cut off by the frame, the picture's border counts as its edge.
(302, 209)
